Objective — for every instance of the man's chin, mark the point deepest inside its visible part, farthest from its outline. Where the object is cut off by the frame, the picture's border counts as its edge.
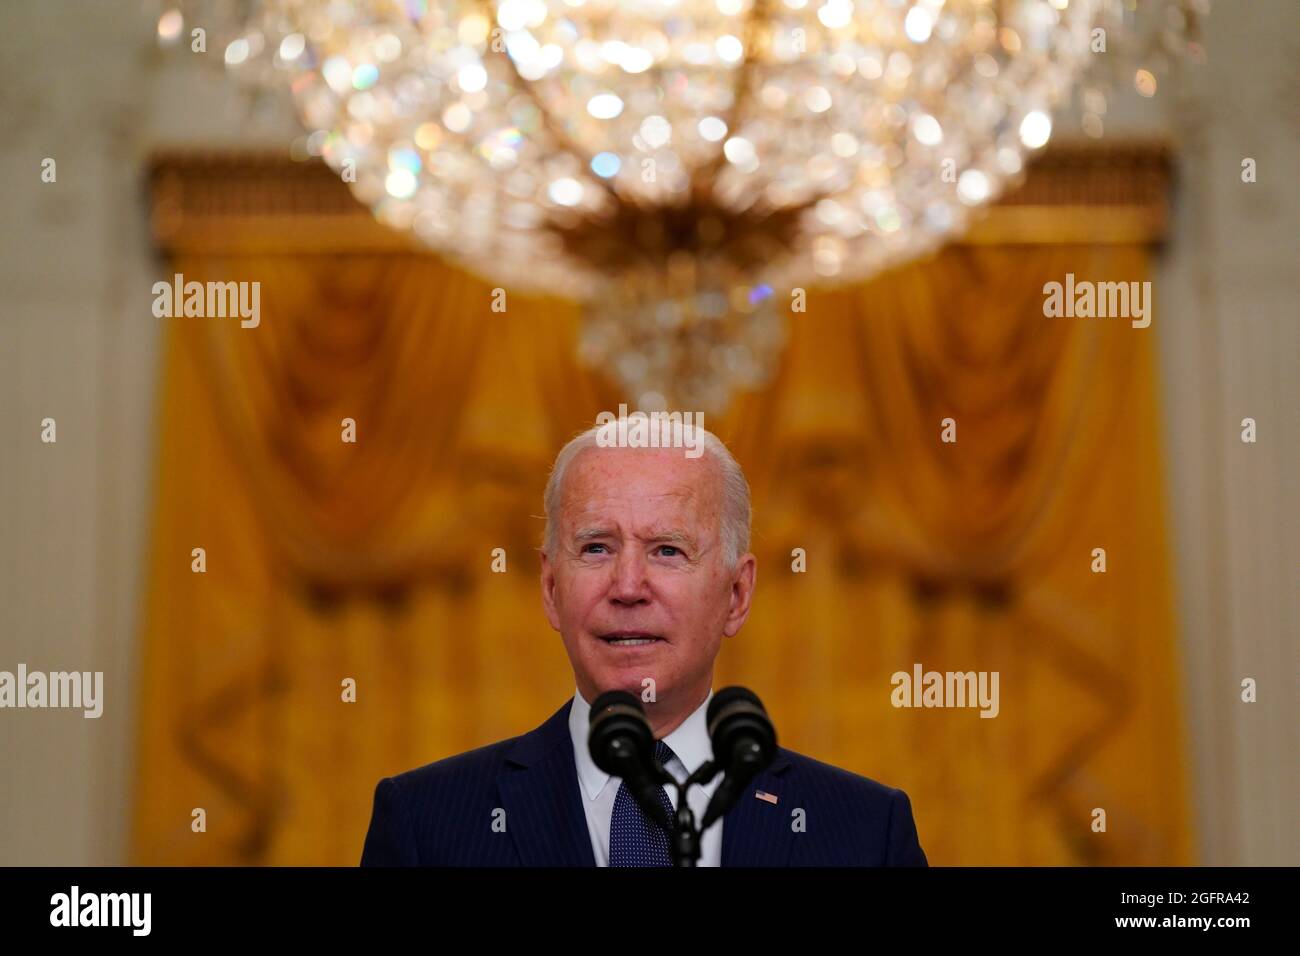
(619, 670)
(629, 665)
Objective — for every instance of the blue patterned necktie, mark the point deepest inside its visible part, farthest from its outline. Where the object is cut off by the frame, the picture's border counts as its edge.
(634, 838)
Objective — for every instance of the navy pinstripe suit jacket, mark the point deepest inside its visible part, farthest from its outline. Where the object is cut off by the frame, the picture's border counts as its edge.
(442, 814)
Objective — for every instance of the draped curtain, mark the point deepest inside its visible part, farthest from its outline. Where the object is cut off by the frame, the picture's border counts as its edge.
(372, 561)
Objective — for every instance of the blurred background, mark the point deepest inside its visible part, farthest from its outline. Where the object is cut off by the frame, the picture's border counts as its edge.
(372, 561)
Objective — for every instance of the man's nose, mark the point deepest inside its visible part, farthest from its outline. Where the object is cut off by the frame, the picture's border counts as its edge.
(629, 584)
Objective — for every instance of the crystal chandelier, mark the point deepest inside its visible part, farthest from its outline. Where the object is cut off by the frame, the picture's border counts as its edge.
(678, 165)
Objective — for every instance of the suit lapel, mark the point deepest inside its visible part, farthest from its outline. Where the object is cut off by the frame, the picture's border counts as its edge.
(539, 792)
(756, 832)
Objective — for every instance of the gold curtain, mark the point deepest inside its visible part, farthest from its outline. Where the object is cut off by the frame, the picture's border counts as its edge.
(327, 560)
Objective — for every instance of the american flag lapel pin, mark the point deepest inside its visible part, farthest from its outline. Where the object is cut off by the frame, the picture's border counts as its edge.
(764, 795)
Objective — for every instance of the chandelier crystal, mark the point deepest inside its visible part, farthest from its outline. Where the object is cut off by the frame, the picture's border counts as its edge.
(678, 165)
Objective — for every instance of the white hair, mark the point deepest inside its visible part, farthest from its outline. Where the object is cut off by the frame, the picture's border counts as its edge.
(736, 511)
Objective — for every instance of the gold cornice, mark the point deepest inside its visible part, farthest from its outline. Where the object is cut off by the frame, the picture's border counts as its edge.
(1084, 192)
(243, 202)
(246, 202)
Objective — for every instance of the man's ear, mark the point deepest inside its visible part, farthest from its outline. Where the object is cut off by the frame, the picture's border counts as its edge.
(548, 592)
(742, 593)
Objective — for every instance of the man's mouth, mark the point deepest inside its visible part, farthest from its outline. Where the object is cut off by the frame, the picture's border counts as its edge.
(630, 638)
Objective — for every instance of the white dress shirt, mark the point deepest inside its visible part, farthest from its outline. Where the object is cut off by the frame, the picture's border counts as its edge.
(689, 742)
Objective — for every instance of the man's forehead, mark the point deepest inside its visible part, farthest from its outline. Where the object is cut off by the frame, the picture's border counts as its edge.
(647, 509)
(607, 482)
(657, 471)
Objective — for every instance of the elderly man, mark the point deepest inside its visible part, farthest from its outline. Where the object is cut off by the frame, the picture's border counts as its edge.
(645, 570)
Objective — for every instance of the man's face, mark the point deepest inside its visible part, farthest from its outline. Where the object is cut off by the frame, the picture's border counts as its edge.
(640, 556)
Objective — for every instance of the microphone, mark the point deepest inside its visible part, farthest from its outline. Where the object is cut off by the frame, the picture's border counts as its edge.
(623, 745)
(744, 743)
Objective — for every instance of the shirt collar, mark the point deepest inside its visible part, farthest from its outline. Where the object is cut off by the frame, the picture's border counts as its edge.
(690, 742)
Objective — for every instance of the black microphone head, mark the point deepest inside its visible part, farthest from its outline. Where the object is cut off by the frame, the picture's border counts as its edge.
(740, 731)
(620, 738)
(744, 743)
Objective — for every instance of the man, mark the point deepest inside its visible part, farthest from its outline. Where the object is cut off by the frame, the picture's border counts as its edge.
(645, 570)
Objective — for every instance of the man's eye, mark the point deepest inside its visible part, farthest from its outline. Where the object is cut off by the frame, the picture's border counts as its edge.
(668, 547)
(586, 548)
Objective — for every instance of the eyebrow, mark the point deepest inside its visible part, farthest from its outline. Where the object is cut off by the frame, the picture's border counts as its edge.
(591, 534)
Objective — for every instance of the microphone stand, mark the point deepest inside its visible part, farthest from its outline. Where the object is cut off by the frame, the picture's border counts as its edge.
(683, 834)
